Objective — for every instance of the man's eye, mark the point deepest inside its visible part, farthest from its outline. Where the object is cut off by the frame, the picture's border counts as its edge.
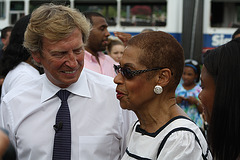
(78, 51)
(58, 54)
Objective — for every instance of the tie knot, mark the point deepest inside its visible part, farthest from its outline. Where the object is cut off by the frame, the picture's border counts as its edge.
(63, 94)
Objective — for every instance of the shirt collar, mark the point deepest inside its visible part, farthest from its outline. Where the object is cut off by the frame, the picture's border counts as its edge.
(79, 88)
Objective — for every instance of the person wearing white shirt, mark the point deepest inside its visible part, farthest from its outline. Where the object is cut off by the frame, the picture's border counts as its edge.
(16, 65)
(55, 37)
(148, 74)
(21, 74)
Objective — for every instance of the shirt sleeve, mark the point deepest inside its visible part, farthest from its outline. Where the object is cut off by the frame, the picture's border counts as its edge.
(6, 121)
(129, 118)
(181, 145)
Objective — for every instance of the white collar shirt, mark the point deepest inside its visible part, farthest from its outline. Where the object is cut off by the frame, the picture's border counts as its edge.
(98, 124)
(21, 74)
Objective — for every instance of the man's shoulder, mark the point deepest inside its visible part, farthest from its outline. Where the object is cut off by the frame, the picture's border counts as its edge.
(87, 55)
(25, 89)
(107, 57)
(110, 59)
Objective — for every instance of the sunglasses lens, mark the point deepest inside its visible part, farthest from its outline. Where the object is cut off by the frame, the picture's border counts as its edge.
(127, 73)
(116, 69)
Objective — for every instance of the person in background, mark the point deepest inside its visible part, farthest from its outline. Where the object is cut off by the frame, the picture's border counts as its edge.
(17, 65)
(97, 42)
(115, 49)
(124, 37)
(5, 36)
(236, 34)
(147, 30)
(7, 151)
(188, 91)
(148, 74)
(41, 121)
(220, 99)
(4, 143)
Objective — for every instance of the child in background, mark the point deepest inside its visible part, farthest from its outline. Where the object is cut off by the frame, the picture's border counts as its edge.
(115, 49)
(188, 91)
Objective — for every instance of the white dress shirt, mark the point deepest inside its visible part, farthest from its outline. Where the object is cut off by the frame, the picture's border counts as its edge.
(21, 74)
(98, 123)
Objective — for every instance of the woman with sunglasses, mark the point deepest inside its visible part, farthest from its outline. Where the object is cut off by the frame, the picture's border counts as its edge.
(148, 74)
(187, 92)
(220, 99)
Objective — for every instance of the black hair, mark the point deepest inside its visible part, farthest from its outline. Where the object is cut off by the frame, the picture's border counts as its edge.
(223, 64)
(196, 67)
(15, 53)
(90, 14)
(236, 33)
(5, 30)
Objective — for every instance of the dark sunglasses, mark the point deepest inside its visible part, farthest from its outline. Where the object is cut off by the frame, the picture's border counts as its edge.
(129, 74)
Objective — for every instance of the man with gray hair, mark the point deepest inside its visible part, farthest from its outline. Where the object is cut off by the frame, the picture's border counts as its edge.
(70, 112)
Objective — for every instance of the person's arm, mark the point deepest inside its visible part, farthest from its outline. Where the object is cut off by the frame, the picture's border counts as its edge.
(7, 151)
(4, 143)
(195, 101)
(179, 99)
(1, 80)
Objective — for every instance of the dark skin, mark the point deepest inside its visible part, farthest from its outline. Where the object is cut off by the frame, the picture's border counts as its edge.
(98, 38)
(136, 94)
(188, 83)
(4, 143)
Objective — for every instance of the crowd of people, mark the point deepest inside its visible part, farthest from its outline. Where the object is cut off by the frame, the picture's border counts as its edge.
(71, 91)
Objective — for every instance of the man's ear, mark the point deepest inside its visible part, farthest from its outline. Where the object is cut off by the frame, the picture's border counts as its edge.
(164, 77)
(36, 56)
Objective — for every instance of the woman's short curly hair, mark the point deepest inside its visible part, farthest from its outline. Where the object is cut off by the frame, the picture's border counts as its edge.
(160, 49)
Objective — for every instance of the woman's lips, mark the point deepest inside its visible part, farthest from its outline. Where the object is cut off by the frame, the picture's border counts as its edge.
(119, 95)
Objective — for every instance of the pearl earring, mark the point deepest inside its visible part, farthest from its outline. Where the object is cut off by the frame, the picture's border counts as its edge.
(158, 89)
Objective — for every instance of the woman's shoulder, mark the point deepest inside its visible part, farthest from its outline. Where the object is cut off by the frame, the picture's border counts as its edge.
(181, 122)
(182, 134)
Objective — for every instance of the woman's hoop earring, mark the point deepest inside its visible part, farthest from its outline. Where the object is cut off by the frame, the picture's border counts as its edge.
(158, 89)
